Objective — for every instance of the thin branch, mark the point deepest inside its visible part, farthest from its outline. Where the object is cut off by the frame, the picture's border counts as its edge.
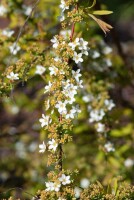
(21, 29)
(17, 188)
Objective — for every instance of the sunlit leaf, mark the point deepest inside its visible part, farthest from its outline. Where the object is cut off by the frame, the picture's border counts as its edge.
(102, 12)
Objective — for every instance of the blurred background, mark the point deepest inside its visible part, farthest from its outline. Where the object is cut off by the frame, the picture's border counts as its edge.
(21, 165)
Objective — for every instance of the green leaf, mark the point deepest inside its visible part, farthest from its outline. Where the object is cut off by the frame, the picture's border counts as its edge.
(93, 4)
(102, 12)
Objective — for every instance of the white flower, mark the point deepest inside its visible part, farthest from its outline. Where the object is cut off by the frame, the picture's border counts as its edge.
(40, 69)
(129, 162)
(48, 87)
(56, 59)
(96, 115)
(76, 74)
(8, 33)
(56, 186)
(63, 6)
(65, 33)
(42, 147)
(61, 106)
(77, 57)
(74, 44)
(3, 10)
(55, 42)
(95, 55)
(66, 84)
(60, 198)
(107, 50)
(45, 120)
(70, 100)
(109, 104)
(85, 52)
(108, 62)
(109, 147)
(50, 186)
(71, 114)
(80, 84)
(14, 49)
(100, 127)
(84, 183)
(27, 10)
(12, 76)
(53, 70)
(77, 192)
(65, 179)
(87, 98)
(83, 44)
(70, 91)
(52, 145)
(62, 17)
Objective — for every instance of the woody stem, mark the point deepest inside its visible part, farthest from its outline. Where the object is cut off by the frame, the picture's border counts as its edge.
(73, 26)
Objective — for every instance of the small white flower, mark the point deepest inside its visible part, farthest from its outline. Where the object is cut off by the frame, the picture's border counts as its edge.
(70, 100)
(55, 42)
(52, 145)
(70, 91)
(100, 127)
(71, 114)
(87, 98)
(80, 84)
(27, 10)
(83, 44)
(109, 147)
(77, 57)
(76, 74)
(50, 186)
(129, 162)
(14, 49)
(63, 6)
(42, 147)
(3, 10)
(12, 76)
(96, 115)
(45, 120)
(74, 44)
(8, 33)
(61, 106)
(53, 70)
(109, 104)
(40, 69)
(107, 50)
(108, 62)
(56, 59)
(65, 33)
(56, 186)
(64, 179)
(84, 183)
(85, 52)
(62, 17)
(95, 55)
(77, 192)
(48, 87)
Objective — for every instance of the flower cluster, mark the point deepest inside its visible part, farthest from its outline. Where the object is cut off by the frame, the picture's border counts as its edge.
(55, 186)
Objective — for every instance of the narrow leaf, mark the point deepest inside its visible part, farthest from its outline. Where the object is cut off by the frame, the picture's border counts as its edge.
(93, 4)
(102, 12)
(103, 25)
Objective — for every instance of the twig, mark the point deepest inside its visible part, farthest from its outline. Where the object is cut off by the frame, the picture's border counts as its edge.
(17, 188)
(21, 29)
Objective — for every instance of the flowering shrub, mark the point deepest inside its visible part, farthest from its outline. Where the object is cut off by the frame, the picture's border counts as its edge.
(69, 98)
